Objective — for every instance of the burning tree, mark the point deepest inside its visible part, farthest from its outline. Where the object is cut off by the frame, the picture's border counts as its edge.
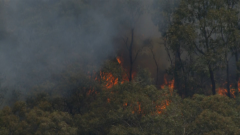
(134, 9)
(199, 38)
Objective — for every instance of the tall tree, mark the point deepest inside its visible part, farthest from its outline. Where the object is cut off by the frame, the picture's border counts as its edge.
(229, 34)
(163, 17)
(199, 35)
(208, 20)
(233, 5)
(131, 10)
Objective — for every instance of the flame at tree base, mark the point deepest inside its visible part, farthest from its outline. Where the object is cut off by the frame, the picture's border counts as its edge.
(224, 91)
(110, 80)
(170, 85)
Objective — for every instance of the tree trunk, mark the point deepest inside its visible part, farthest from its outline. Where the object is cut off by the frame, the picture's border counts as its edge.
(212, 79)
(157, 76)
(186, 90)
(237, 74)
(157, 68)
(131, 55)
(228, 83)
(177, 69)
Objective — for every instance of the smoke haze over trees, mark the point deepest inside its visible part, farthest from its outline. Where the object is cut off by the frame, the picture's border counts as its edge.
(43, 37)
(119, 67)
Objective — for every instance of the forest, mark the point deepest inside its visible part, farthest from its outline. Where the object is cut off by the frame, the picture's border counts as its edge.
(119, 67)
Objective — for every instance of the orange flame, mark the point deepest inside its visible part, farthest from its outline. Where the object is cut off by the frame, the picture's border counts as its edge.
(162, 107)
(139, 107)
(119, 60)
(111, 80)
(170, 84)
(165, 103)
(139, 110)
(223, 91)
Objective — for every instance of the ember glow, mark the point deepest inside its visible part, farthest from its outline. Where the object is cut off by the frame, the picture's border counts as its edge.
(170, 84)
(162, 106)
(139, 109)
(119, 60)
(223, 91)
(110, 80)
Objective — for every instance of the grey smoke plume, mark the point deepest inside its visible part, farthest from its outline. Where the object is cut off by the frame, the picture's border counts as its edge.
(39, 38)
(43, 37)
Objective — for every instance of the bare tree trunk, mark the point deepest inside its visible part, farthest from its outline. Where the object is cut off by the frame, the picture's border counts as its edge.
(237, 74)
(177, 70)
(212, 79)
(228, 83)
(131, 55)
(155, 60)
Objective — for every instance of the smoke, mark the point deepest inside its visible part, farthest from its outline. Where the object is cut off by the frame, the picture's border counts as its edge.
(43, 37)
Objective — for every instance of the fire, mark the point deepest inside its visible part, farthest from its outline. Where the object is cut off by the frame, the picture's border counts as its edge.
(110, 81)
(162, 107)
(91, 91)
(170, 84)
(223, 91)
(139, 109)
(119, 60)
(165, 103)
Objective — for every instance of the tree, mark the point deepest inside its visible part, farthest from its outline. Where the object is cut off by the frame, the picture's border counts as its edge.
(208, 18)
(21, 120)
(129, 108)
(210, 114)
(132, 10)
(233, 5)
(163, 17)
(229, 34)
(199, 29)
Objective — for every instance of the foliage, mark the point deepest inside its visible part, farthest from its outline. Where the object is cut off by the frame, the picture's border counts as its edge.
(127, 108)
(199, 36)
(21, 120)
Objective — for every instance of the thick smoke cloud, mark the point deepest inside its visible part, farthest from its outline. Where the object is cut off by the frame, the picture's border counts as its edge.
(43, 37)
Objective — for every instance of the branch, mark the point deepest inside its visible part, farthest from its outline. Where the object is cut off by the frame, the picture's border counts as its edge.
(154, 57)
(211, 32)
(137, 54)
(200, 51)
(167, 49)
(139, 50)
(155, 60)
(126, 43)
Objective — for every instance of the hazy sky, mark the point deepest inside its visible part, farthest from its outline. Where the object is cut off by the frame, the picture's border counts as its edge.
(41, 38)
